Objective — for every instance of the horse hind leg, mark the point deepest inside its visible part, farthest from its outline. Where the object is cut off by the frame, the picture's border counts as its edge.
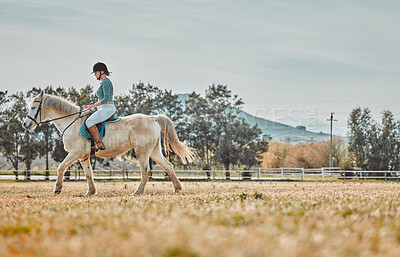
(159, 158)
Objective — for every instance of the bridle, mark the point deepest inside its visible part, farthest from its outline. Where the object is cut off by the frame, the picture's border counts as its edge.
(39, 113)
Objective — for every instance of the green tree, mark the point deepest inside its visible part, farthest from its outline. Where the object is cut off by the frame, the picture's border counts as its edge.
(374, 146)
(396, 159)
(17, 144)
(82, 96)
(359, 125)
(200, 128)
(218, 132)
(389, 141)
(383, 144)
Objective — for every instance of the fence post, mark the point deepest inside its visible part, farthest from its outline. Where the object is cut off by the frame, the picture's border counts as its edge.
(67, 174)
(259, 173)
(47, 175)
(302, 174)
(323, 175)
(385, 176)
(282, 172)
(27, 175)
(228, 175)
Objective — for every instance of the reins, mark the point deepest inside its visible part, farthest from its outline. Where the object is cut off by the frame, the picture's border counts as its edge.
(39, 113)
(79, 116)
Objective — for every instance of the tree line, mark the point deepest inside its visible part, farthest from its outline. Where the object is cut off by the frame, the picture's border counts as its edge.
(370, 146)
(373, 145)
(210, 124)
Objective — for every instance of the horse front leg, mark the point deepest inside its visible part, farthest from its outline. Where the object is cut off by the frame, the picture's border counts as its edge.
(68, 161)
(89, 176)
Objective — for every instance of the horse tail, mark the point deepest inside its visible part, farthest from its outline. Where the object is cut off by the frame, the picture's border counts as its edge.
(171, 138)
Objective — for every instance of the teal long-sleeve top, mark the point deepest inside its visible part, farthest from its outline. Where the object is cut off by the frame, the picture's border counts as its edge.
(105, 93)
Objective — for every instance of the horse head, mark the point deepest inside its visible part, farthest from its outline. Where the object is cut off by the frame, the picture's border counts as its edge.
(34, 116)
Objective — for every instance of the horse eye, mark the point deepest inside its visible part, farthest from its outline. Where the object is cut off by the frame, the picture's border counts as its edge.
(33, 108)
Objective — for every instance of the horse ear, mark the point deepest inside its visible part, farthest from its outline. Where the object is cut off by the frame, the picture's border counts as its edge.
(41, 94)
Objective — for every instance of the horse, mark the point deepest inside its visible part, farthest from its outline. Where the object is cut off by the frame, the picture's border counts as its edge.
(138, 131)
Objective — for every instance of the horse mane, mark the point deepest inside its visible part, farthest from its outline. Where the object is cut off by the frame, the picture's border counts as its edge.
(60, 104)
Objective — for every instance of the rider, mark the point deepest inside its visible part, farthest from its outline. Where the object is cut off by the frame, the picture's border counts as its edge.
(105, 104)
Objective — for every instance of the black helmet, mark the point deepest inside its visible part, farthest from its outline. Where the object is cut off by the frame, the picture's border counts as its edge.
(101, 67)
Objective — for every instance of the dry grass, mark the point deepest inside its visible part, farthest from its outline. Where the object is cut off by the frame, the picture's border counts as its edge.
(208, 219)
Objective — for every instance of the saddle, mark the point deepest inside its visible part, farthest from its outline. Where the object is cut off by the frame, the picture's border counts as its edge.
(84, 131)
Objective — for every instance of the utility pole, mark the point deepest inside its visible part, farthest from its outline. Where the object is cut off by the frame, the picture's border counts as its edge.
(330, 151)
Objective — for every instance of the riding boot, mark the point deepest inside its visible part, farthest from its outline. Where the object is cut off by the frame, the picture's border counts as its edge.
(96, 136)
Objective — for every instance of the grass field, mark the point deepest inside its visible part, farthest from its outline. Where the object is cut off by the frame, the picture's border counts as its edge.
(207, 219)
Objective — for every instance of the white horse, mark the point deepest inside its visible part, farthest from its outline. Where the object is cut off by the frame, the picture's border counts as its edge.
(138, 131)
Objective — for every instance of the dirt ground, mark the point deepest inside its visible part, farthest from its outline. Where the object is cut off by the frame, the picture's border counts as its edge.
(207, 219)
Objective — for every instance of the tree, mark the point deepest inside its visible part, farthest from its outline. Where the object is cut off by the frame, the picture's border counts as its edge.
(14, 134)
(389, 141)
(141, 99)
(383, 144)
(276, 155)
(396, 152)
(218, 133)
(237, 142)
(359, 124)
(200, 128)
(80, 97)
(16, 143)
(312, 155)
(374, 146)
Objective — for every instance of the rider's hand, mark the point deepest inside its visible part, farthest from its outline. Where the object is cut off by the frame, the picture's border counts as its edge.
(87, 106)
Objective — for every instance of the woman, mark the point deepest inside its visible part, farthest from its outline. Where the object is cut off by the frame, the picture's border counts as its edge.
(105, 105)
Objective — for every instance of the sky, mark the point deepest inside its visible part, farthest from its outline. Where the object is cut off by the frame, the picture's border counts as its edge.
(290, 61)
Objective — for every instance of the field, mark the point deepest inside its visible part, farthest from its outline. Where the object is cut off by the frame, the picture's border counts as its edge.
(207, 219)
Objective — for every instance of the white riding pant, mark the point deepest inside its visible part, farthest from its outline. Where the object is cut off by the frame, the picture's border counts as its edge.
(103, 112)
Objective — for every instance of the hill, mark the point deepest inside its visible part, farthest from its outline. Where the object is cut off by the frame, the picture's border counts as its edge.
(276, 131)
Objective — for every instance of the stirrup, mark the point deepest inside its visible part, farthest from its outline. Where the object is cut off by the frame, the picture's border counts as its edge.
(96, 149)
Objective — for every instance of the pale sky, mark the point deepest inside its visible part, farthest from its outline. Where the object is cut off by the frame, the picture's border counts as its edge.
(291, 61)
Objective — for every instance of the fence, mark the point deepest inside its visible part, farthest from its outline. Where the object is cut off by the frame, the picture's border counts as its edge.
(257, 174)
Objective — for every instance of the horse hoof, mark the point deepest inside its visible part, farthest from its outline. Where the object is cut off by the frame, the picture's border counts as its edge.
(91, 194)
(137, 193)
(178, 189)
(57, 192)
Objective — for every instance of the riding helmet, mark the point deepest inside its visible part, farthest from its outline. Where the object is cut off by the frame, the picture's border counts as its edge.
(100, 67)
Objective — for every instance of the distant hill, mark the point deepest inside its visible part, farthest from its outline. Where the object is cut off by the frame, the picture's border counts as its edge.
(284, 133)
(276, 131)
